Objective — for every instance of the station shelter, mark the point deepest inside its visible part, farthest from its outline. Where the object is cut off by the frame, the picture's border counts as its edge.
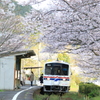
(10, 65)
(35, 82)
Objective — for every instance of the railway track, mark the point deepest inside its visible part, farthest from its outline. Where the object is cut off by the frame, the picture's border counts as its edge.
(48, 95)
(48, 98)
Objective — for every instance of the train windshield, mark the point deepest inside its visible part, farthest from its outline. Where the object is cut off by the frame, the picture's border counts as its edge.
(56, 69)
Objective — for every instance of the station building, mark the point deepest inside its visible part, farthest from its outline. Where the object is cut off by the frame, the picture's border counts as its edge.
(10, 65)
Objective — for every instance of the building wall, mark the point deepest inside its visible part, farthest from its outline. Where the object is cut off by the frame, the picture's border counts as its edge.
(7, 65)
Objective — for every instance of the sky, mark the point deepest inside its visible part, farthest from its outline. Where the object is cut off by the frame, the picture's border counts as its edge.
(22, 1)
(45, 5)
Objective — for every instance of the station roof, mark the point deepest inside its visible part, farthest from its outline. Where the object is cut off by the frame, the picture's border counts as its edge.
(19, 54)
(31, 67)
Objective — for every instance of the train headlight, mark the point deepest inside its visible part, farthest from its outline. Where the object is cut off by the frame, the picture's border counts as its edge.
(64, 79)
(48, 78)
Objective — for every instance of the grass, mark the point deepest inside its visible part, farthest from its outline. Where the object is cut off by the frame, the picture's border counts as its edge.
(54, 97)
(96, 98)
(39, 97)
(72, 95)
(1, 90)
(67, 96)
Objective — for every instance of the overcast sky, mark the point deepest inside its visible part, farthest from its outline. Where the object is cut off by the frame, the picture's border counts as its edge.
(44, 6)
(22, 1)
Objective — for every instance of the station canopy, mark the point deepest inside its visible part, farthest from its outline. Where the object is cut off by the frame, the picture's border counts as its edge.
(32, 67)
(19, 54)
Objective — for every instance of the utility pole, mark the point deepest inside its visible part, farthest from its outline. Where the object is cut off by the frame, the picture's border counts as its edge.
(39, 45)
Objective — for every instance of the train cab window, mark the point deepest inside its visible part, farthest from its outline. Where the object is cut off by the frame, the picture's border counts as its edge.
(65, 69)
(57, 70)
(48, 69)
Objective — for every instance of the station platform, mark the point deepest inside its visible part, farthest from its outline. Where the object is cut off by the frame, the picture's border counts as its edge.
(24, 93)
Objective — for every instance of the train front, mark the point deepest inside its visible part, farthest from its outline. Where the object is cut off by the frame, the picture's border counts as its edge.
(56, 77)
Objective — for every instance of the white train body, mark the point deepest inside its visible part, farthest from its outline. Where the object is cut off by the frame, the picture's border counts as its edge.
(56, 77)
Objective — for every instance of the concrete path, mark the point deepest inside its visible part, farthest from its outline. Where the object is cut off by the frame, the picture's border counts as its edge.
(24, 93)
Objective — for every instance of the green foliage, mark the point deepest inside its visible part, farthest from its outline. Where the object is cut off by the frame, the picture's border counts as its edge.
(94, 93)
(21, 10)
(64, 57)
(89, 89)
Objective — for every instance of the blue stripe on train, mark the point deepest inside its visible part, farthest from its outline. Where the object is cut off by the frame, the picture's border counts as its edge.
(56, 79)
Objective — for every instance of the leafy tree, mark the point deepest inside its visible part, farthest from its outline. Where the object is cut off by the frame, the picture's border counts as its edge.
(64, 57)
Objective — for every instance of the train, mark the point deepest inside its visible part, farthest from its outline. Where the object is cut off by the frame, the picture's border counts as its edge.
(56, 77)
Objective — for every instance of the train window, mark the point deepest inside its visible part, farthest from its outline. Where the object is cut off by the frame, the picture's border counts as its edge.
(48, 64)
(56, 69)
(65, 69)
(48, 70)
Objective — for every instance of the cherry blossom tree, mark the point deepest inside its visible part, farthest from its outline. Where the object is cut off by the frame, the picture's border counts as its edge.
(14, 30)
(72, 26)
